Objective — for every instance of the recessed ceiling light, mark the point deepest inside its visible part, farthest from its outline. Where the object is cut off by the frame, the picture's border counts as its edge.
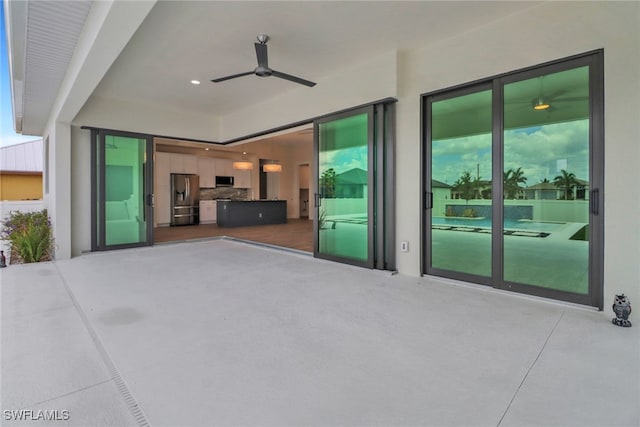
(195, 82)
(207, 149)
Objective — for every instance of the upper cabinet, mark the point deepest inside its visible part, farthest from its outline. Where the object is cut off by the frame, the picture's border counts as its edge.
(184, 163)
(162, 168)
(207, 171)
(224, 167)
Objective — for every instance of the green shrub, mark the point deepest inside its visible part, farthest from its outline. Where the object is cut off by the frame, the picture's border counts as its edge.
(29, 235)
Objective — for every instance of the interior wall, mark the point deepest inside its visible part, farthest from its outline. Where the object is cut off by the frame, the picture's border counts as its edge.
(534, 38)
(290, 155)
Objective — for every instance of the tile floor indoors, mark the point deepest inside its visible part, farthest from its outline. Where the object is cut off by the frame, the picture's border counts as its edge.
(219, 332)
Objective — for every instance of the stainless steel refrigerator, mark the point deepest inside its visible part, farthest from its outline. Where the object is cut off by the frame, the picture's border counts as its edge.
(185, 199)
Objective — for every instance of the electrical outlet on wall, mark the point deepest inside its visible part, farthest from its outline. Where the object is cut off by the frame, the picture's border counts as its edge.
(404, 246)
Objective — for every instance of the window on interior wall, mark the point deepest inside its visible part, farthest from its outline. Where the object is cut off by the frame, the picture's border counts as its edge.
(513, 175)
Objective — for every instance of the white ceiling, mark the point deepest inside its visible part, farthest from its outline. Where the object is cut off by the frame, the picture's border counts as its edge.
(184, 40)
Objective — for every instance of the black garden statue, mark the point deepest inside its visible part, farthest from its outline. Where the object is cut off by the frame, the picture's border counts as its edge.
(622, 309)
(3, 260)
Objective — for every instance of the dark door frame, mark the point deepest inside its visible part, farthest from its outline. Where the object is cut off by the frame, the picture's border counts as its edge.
(98, 196)
(381, 184)
(595, 61)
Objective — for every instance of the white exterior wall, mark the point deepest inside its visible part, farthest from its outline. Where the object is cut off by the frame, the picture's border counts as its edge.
(81, 190)
(349, 87)
(147, 118)
(551, 31)
(58, 200)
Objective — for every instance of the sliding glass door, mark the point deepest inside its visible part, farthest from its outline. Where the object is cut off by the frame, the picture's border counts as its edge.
(344, 199)
(513, 172)
(547, 181)
(460, 185)
(122, 190)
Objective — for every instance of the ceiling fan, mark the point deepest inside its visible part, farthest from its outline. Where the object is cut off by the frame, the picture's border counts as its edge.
(263, 70)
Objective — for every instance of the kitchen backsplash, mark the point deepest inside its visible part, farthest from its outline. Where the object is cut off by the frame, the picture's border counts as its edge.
(223, 193)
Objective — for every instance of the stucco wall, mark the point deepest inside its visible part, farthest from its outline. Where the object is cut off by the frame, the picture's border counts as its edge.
(553, 30)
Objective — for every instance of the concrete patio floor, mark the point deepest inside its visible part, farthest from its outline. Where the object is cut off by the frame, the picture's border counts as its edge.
(221, 333)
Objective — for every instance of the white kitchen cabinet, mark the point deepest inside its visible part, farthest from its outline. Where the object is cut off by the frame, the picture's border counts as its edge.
(162, 188)
(242, 179)
(162, 169)
(208, 211)
(224, 167)
(184, 163)
(207, 172)
(162, 205)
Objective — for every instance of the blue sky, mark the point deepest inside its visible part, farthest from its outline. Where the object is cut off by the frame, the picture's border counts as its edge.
(7, 133)
(541, 152)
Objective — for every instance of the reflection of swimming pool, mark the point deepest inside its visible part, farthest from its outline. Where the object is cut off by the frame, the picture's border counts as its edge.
(510, 224)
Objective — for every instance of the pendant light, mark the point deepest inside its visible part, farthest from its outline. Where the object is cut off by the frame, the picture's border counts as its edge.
(540, 104)
(272, 166)
(243, 164)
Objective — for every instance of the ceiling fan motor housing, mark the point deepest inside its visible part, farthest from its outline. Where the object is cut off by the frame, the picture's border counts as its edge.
(263, 71)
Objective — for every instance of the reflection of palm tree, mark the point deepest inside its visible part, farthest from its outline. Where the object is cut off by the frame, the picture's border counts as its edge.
(465, 186)
(328, 184)
(565, 180)
(512, 180)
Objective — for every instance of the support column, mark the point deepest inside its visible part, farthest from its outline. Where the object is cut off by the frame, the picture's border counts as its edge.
(58, 200)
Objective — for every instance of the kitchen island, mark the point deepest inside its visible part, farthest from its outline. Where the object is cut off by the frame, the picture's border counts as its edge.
(237, 213)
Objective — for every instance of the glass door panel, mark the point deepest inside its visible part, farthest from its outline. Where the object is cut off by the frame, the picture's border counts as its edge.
(124, 184)
(546, 181)
(343, 202)
(513, 177)
(122, 213)
(460, 185)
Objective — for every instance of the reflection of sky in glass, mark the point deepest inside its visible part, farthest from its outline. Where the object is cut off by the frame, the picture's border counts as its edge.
(541, 152)
(344, 159)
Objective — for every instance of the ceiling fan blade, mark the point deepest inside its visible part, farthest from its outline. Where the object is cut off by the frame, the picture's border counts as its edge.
(221, 79)
(292, 78)
(570, 99)
(261, 54)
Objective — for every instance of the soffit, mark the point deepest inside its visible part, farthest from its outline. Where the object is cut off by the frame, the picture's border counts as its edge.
(51, 33)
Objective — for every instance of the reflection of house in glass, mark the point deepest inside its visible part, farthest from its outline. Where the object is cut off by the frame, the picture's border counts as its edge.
(542, 191)
(441, 191)
(549, 191)
(351, 184)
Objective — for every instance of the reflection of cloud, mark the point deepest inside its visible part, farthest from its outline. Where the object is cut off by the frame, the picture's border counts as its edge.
(540, 151)
(460, 146)
(344, 159)
(543, 153)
